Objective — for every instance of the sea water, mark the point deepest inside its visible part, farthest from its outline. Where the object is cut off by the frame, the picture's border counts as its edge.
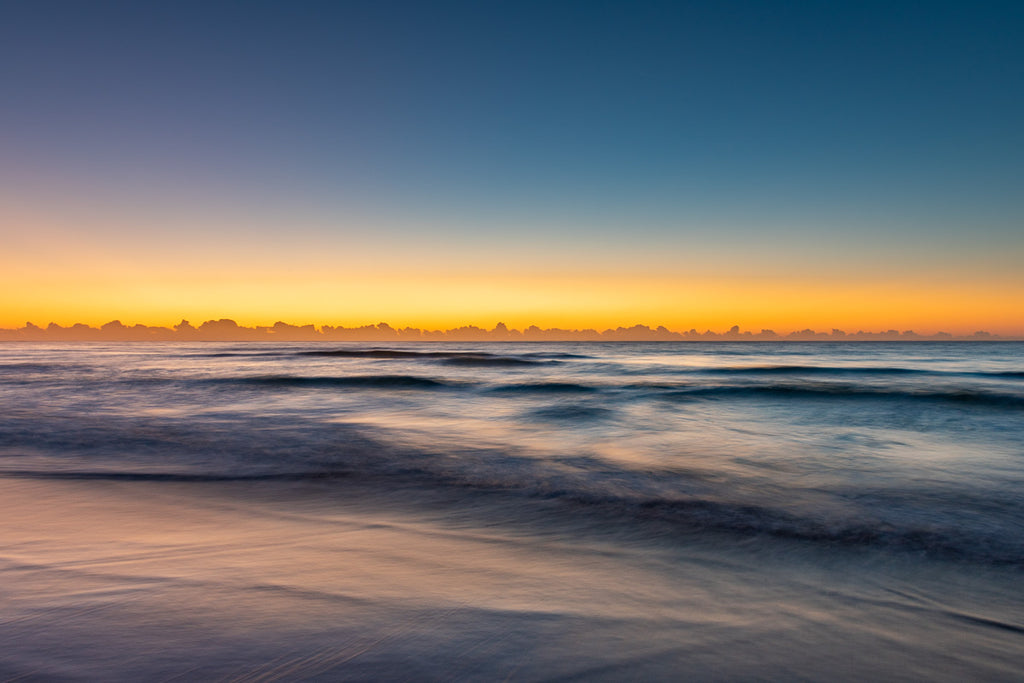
(435, 511)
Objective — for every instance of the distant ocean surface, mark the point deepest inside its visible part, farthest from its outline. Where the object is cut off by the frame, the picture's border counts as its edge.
(521, 511)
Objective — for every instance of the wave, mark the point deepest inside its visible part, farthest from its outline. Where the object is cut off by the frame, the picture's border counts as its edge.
(847, 370)
(826, 391)
(670, 391)
(475, 358)
(968, 523)
(571, 413)
(545, 388)
(236, 354)
(494, 361)
(38, 368)
(746, 519)
(391, 353)
(615, 497)
(687, 515)
(809, 370)
(365, 381)
(184, 477)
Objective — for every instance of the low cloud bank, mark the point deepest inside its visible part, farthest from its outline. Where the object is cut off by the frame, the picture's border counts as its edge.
(228, 330)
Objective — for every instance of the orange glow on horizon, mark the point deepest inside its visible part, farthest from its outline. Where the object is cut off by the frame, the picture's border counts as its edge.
(62, 276)
(448, 301)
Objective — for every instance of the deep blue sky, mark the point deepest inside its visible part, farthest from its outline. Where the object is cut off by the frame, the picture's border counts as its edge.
(866, 126)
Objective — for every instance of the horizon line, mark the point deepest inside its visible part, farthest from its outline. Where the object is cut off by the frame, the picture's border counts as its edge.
(226, 329)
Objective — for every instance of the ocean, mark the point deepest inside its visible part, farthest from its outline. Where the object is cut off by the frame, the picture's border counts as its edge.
(512, 512)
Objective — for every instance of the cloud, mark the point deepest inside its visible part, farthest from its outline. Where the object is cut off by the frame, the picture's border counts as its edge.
(226, 329)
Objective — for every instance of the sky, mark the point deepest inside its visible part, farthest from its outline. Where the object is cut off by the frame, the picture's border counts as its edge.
(777, 165)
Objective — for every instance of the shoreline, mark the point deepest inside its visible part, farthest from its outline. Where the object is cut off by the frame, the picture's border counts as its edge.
(164, 579)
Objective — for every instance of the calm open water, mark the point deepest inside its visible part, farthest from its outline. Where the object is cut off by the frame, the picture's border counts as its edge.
(512, 511)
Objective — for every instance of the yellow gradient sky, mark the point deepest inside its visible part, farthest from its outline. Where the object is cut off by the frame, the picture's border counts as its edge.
(68, 272)
(840, 165)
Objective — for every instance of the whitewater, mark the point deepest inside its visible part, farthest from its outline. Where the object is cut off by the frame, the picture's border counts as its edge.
(519, 511)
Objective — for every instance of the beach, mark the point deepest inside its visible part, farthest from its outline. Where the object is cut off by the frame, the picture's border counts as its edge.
(510, 512)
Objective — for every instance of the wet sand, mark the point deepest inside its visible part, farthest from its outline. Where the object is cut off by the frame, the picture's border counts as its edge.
(256, 581)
